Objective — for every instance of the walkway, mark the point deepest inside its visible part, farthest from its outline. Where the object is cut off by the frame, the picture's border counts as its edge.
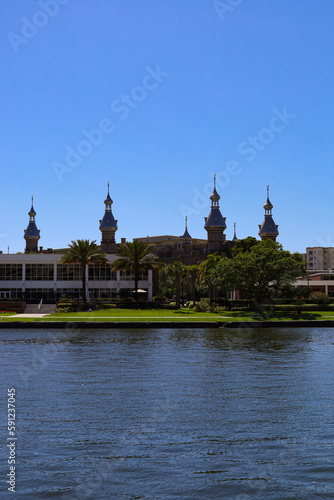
(35, 315)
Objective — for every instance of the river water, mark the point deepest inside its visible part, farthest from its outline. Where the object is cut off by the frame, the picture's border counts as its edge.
(168, 414)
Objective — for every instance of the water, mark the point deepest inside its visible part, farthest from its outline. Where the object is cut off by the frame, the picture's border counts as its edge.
(168, 414)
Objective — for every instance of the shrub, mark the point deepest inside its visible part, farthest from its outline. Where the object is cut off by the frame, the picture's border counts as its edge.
(203, 305)
(66, 309)
(320, 298)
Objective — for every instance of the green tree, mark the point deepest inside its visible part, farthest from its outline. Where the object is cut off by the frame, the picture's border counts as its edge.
(166, 283)
(83, 252)
(193, 272)
(135, 257)
(265, 272)
(244, 246)
(209, 275)
(177, 272)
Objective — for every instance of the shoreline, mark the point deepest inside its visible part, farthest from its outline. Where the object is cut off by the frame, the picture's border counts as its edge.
(166, 324)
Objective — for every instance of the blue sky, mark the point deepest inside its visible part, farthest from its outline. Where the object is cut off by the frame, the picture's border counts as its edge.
(179, 90)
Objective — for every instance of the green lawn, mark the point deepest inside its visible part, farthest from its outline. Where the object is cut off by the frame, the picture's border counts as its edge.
(170, 316)
(136, 315)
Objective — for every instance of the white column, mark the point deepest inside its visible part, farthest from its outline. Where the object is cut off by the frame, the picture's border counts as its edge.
(86, 284)
(23, 276)
(118, 283)
(55, 277)
(150, 285)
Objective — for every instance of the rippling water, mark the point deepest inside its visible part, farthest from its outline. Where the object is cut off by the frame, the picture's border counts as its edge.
(167, 414)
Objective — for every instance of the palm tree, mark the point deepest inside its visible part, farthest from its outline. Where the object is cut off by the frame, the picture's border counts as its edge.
(83, 252)
(193, 271)
(208, 274)
(177, 271)
(136, 258)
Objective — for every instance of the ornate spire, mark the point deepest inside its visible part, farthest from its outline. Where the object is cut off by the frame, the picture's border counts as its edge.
(215, 196)
(186, 234)
(235, 232)
(215, 223)
(268, 230)
(268, 205)
(108, 201)
(31, 234)
(108, 227)
(32, 212)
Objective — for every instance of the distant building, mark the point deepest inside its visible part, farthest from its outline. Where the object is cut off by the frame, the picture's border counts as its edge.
(320, 270)
(215, 224)
(268, 229)
(318, 282)
(108, 227)
(320, 258)
(31, 234)
(38, 274)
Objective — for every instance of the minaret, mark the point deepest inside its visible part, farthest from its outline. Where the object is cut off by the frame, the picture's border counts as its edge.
(268, 229)
(235, 232)
(186, 236)
(31, 234)
(215, 223)
(108, 227)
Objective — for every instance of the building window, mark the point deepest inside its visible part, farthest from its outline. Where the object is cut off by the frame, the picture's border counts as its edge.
(68, 272)
(70, 293)
(10, 272)
(39, 272)
(101, 273)
(102, 293)
(34, 295)
(126, 276)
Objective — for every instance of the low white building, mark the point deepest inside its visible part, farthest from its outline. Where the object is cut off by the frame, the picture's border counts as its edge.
(32, 277)
(38, 274)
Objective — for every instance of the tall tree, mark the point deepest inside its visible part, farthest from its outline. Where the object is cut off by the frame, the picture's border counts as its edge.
(209, 276)
(83, 252)
(177, 271)
(265, 272)
(244, 246)
(135, 257)
(193, 271)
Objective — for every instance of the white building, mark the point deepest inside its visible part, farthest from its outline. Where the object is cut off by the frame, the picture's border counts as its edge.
(38, 274)
(320, 258)
(32, 277)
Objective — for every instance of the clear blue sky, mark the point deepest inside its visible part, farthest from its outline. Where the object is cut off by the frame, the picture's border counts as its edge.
(180, 89)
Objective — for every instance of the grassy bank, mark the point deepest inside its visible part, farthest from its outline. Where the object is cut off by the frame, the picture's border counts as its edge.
(171, 315)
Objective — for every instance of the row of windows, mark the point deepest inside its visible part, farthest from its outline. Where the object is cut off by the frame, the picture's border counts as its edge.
(39, 272)
(7, 293)
(10, 272)
(101, 273)
(70, 272)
